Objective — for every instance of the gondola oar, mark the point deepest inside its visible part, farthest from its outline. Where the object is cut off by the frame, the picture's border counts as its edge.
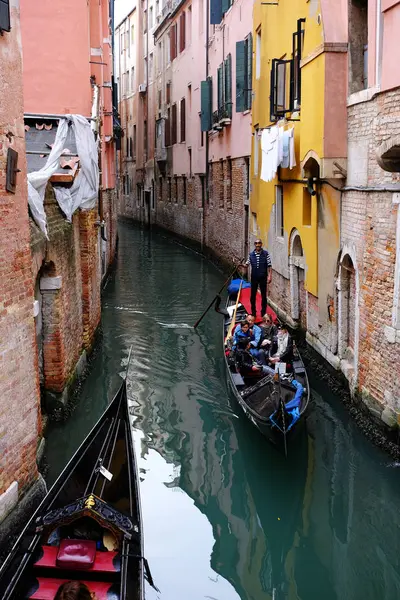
(216, 296)
(231, 326)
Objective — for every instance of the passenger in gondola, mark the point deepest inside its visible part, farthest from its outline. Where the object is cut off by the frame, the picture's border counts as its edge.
(282, 347)
(74, 590)
(254, 333)
(268, 335)
(246, 362)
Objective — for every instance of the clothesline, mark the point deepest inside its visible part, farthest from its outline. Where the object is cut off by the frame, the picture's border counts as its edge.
(277, 149)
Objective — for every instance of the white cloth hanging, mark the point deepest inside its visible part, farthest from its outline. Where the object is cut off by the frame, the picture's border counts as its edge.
(84, 191)
(269, 153)
(292, 155)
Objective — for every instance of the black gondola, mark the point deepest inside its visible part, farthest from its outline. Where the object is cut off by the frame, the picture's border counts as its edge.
(269, 401)
(88, 527)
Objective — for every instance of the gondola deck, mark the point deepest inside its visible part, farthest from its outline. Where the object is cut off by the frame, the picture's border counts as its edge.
(88, 527)
(265, 398)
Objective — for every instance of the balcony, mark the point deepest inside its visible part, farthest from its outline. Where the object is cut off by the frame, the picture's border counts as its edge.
(222, 117)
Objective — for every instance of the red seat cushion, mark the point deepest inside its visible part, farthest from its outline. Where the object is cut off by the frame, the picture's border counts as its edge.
(76, 554)
(104, 561)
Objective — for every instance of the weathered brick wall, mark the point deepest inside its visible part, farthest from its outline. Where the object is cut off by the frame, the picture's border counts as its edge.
(369, 232)
(279, 292)
(110, 214)
(91, 275)
(224, 217)
(19, 382)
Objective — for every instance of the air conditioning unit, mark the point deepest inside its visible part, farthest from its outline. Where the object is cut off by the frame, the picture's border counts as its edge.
(142, 88)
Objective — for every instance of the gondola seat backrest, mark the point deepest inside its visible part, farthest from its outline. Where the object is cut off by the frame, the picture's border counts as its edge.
(76, 554)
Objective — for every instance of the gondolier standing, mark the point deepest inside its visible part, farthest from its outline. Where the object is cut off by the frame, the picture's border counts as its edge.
(260, 262)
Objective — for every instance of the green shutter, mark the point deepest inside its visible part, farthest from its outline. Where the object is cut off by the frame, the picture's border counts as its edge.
(206, 100)
(225, 6)
(240, 76)
(228, 86)
(249, 83)
(215, 12)
(220, 82)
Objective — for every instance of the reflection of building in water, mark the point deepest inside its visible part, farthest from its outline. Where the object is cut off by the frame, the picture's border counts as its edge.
(353, 541)
(228, 470)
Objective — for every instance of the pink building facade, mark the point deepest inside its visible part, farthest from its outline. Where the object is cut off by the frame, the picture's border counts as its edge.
(368, 272)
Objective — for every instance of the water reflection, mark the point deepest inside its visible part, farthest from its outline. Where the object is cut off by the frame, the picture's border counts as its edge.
(225, 515)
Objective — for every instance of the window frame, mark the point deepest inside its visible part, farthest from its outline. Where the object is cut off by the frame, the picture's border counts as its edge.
(279, 216)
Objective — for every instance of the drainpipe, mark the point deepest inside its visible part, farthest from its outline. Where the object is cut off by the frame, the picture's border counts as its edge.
(207, 196)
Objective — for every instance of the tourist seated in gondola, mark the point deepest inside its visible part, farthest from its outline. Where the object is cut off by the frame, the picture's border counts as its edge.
(281, 347)
(242, 331)
(254, 334)
(268, 336)
(74, 590)
(246, 362)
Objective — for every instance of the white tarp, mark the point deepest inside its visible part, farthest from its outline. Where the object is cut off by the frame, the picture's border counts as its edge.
(84, 190)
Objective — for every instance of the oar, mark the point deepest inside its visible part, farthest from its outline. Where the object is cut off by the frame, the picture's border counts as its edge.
(216, 296)
(283, 413)
(231, 326)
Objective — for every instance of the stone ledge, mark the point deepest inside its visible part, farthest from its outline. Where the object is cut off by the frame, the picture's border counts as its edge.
(8, 500)
(318, 346)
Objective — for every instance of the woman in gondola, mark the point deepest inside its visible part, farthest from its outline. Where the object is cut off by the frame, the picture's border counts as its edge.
(74, 590)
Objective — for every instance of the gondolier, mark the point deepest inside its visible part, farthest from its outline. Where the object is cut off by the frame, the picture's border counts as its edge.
(261, 273)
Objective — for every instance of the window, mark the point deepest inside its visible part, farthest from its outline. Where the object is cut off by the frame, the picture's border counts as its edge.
(229, 184)
(168, 128)
(182, 32)
(228, 87)
(173, 126)
(279, 210)
(151, 17)
(258, 54)
(173, 40)
(281, 96)
(190, 162)
(221, 184)
(189, 26)
(256, 143)
(132, 35)
(128, 42)
(144, 21)
(254, 227)
(358, 46)
(306, 207)
(130, 147)
(159, 99)
(183, 120)
(132, 79)
(184, 190)
(122, 42)
(151, 67)
(5, 24)
(244, 57)
(168, 93)
(134, 141)
(297, 53)
(206, 104)
(159, 61)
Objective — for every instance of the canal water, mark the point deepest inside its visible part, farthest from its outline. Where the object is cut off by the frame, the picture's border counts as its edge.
(225, 516)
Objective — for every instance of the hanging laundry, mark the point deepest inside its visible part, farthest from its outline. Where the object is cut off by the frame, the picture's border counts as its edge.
(292, 155)
(269, 153)
(285, 150)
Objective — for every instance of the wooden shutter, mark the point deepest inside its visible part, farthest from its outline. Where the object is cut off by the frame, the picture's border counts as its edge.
(215, 12)
(220, 86)
(225, 6)
(11, 170)
(172, 41)
(5, 23)
(249, 71)
(183, 120)
(168, 128)
(228, 86)
(240, 75)
(206, 104)
(174, 124)
(182, 32)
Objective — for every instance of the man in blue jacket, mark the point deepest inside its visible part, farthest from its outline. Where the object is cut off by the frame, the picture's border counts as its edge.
(261, 267)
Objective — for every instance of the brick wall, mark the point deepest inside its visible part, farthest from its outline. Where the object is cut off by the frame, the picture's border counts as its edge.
(369, 234)
(19, 382)
(91, 275)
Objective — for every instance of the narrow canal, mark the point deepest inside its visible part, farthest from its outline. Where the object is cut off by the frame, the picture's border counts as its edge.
(225, 516)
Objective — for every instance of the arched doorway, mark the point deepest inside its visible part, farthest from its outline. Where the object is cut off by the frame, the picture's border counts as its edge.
(298, 294)
(348, 315)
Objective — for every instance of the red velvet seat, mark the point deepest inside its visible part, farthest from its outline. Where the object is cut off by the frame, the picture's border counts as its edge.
(104, 562)
(76, 554)
(46, 588)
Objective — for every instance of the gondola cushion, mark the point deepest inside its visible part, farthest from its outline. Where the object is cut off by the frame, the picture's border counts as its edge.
(76, 554)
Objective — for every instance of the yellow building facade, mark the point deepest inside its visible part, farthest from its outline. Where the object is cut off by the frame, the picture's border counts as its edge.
(299, 91)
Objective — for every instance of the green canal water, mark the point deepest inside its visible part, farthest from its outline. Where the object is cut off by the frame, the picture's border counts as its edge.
(225, 516)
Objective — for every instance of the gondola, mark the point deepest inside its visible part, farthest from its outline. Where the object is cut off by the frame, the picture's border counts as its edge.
(275, 403)
(88, 527)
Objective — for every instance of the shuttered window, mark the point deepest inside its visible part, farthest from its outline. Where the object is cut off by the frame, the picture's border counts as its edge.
(281, 98)
(183, 120)
(220, 84)
(168, 128)
(244, 58)
(215, 12)
(182, 32)
(206, 105)
(5, 24)
(228, 86)
(172, 42)
(173, 125)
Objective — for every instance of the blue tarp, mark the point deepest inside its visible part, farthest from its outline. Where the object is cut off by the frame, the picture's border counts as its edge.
(234, 286)
(292, 407)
